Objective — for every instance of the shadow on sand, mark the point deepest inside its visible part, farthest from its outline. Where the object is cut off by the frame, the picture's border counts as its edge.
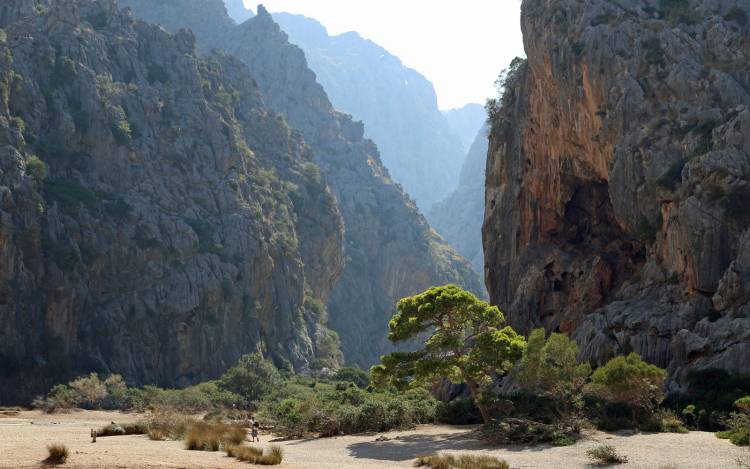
(406, 447)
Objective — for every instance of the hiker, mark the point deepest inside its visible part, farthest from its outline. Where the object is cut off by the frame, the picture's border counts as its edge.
(254, 430)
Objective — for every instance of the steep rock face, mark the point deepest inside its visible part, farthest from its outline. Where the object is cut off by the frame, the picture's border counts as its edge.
(466, 121)
(459, 217)
(397, 105)
(618, 181)
(391, 250)
(155, 219)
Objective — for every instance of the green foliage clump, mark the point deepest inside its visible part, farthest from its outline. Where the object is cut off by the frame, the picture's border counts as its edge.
(69, 195)
(354, 375)
(122, 132)
(304, 406)
(466, 343)
(630, 381)
(3, 36)
(551, 369)
(252, 378)
(606, 454)
(654, 51)
(459, 411)
(63, 73)
(205, 232)
(98, 20)
(678, 11)
(447, 461)
(36, 168)
(507, 77)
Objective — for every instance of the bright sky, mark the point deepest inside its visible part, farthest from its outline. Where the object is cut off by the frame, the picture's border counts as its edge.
(460, 46)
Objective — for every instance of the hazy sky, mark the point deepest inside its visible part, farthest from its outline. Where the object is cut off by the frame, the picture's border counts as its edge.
(461, 46)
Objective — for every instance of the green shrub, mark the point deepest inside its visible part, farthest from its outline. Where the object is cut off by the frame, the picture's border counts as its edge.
(64, 72)
(354, 375)
(460, 411)
(529, 432)
(69, 195)
(252, 378)
(122, 132)
(605, 454)
(57, 454)
(631, 381)
(667, 421)
(550, 368)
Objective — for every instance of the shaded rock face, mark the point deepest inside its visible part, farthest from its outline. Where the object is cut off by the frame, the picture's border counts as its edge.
(466, 121)
(391, 251)
(459, 217)
(177, 224)
(618, 180)
(397, 105)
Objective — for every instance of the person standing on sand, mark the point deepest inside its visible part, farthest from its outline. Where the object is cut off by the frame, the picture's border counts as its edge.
(254, 431)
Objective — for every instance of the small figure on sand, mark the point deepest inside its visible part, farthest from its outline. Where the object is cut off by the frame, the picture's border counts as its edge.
(254, 428)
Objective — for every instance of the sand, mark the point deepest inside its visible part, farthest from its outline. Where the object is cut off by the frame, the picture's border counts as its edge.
(25, 435)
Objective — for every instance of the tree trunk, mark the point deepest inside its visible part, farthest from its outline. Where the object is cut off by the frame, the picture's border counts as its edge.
(474, 390)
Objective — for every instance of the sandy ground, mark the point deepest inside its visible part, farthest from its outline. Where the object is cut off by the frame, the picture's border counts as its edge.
(24, 436)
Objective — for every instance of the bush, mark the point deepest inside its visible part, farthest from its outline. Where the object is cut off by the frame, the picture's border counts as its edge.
(666, 421)
(57, 454)
(673, 177)
(630, 381)
(36, 168)
(138, 428)
(459, 411)
(460, 462)
(550, 368)
(529, 432)
(353, 375)
(605, 454)
(252, 378)
(738, 15)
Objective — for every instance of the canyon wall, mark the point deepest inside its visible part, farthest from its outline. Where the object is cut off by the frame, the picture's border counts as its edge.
(618, 181)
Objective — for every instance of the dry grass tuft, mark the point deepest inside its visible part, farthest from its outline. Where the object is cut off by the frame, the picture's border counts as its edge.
(254, 455)
(168, 426)
(461, 462)
(213, 436)
(138, 428)
(606, 454)
(58, 454)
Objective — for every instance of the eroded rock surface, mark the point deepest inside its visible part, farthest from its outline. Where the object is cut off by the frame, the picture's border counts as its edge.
(156, 220)
(618, 181)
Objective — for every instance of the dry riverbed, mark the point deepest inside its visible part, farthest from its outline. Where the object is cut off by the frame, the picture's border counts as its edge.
(25, 435)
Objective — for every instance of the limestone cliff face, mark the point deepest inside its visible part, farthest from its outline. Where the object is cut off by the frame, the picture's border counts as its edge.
(459, 217)
(618, 181)
(391, 251)
(155, 219)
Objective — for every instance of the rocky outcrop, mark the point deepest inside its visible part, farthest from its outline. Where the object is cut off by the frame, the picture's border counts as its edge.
(618, 180)
(156, 220)
(397, 105)
(391, 250)
(459, 217)
(465, 122)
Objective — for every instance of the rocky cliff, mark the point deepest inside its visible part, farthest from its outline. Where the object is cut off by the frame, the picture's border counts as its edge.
(391, 251)
(156, 220)
(618, 180)
(397, 105)
(237, 11)
(459, 217)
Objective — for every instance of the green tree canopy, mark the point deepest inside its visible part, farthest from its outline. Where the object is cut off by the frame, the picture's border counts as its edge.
(630, 380)
(465, 342)
(550, 368)
(252, 377)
